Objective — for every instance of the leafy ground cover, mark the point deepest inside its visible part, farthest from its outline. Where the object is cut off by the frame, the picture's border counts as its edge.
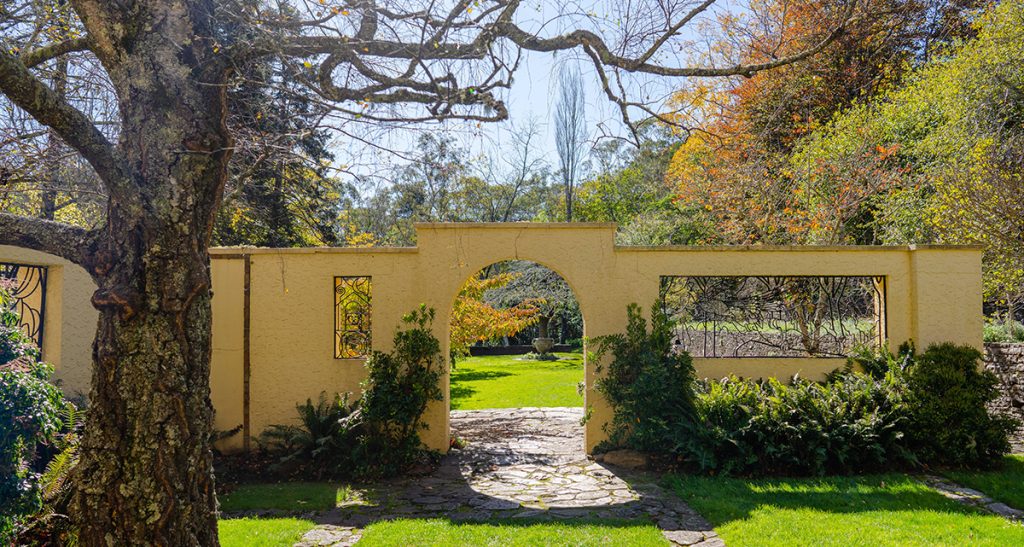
(508, 381)
(891, 509)
(443, 533)
(1005, 484)
(253, 532)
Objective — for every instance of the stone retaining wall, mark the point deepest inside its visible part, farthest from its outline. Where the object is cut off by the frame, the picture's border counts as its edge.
(1007, 362)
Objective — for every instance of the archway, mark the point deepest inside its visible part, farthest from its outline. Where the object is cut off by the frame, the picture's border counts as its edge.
(518, 374)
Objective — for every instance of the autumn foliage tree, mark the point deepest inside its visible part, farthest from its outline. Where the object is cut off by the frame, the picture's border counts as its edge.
(475, 320)
(952, 138)
(736, 166)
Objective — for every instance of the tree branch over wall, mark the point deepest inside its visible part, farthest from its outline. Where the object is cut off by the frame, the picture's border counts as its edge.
(378, 66)
(56, 238)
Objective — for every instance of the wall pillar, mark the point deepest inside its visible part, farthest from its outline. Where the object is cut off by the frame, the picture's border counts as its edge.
(946, 301)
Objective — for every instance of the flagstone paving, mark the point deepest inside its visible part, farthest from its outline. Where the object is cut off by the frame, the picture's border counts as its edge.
(969, 496)
(523, 463)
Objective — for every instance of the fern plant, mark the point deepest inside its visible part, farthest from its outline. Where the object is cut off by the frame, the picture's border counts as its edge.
(51, 525)
(324, 440)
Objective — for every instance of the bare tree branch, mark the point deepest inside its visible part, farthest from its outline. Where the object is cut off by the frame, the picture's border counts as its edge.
(376, 56)
(40, 55)
(585, 38)
(74, 127)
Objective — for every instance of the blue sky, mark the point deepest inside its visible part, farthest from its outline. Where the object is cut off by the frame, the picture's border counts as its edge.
(534, 91)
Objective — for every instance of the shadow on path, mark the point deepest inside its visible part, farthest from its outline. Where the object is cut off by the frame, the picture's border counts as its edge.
(524, 464)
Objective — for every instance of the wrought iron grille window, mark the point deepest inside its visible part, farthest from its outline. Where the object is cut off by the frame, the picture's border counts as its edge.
(29, 296)
(774, 316)
(351, 317)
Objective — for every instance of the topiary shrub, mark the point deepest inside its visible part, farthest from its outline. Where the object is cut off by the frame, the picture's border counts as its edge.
(947, 394)
(649, 386)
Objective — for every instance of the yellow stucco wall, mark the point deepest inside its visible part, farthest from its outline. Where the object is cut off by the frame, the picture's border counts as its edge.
(69, 319)
(932, 294)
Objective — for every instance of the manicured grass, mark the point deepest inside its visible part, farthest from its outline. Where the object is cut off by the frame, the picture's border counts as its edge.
(1005, 484)
(507, 381)
(250, 532)
(287, 496)
(888, 509)
(443, 533)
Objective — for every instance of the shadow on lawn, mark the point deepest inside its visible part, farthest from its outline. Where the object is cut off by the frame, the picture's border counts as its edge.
(477, 375)
(460, 391)
(722, 500)
(511, 471)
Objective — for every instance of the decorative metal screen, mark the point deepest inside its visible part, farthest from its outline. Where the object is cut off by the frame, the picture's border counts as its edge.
(29, 287)
(351, 317)
(795, 316)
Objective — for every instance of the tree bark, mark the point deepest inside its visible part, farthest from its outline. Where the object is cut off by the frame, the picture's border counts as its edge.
(150, 416)
(145, 475)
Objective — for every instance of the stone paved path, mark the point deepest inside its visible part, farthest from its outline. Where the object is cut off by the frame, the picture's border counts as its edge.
(519, 463)
(969, 496)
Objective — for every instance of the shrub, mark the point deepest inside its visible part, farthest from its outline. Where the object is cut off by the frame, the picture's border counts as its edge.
(903, 410)
(649, 387)
(999, 331)
(948, 393)
(398, 387)
(851, 424)
(30, 415)
(52, 525)
(30, 410)
(877, 362)
(324, 441)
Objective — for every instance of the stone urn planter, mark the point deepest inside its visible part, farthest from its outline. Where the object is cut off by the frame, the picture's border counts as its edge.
(543, 345)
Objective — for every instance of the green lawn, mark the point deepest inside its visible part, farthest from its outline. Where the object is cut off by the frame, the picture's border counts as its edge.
(891, 509)
(506, 381)
(1005, 484)
(251, 532)
(288, 496)
(443, 533)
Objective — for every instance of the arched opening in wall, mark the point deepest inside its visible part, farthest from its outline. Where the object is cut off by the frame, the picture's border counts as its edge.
(517, 362)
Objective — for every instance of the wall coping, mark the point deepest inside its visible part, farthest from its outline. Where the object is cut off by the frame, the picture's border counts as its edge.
(237, 252)
(806, 248)
(516, 225)
(224, 252)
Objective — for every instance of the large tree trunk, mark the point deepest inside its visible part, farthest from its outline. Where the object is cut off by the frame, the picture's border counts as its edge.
(146, 471)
